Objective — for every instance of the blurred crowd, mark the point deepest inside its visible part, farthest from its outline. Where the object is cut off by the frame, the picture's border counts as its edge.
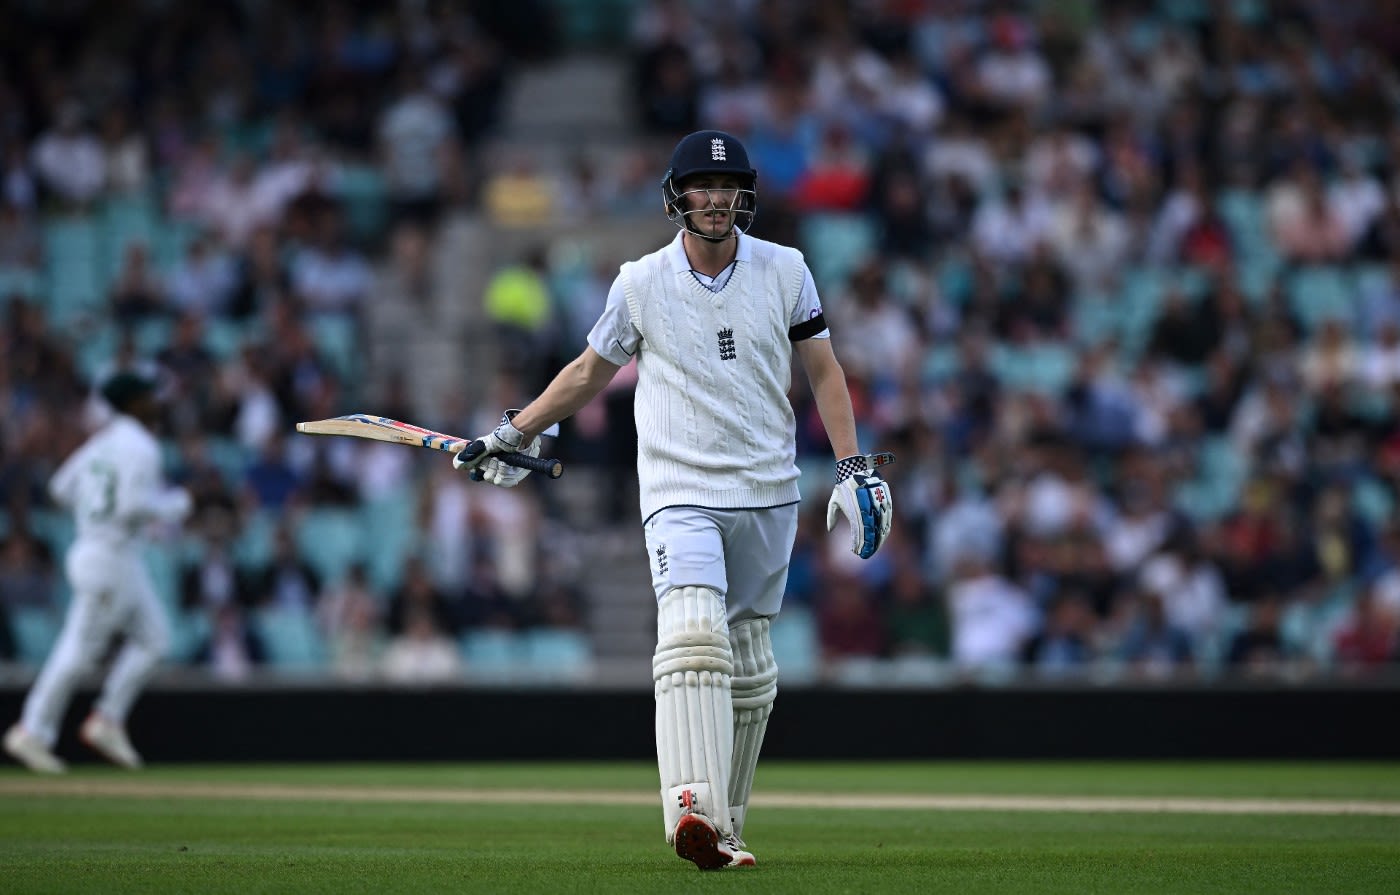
(1119, 283)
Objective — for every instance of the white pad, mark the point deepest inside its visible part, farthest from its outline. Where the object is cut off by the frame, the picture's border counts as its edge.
(754, 687)
(694, 717)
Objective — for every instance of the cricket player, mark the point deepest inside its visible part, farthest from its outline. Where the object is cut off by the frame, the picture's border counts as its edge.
(713, 320)
(114, 488)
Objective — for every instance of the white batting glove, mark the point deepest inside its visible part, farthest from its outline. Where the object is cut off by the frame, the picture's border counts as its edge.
(505, 438)
(865, 500)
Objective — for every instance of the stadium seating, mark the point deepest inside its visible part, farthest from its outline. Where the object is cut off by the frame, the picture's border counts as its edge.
(35, 629)
(796, 646)
(492, 654)
(835, 244)
(74, 287)
(560, 654)
(330, 539)
(292, 640)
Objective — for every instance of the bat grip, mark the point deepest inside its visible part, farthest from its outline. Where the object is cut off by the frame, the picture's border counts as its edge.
(552, 468)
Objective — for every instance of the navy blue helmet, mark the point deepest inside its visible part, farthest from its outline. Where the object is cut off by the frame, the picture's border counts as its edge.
(710, 152)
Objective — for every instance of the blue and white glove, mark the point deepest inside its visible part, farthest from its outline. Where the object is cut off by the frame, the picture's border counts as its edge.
(486, 468)
(864, 498)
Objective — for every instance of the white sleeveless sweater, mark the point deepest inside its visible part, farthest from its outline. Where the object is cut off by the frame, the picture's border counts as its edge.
(714, 424)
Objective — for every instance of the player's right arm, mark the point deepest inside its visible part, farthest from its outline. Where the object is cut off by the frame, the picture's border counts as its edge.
(574, 386)
(611, 343)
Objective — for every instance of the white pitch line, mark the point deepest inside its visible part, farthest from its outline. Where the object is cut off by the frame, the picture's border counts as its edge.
(897, 802)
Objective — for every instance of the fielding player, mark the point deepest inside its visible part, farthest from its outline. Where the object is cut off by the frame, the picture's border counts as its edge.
(713, 320)
(113, 486)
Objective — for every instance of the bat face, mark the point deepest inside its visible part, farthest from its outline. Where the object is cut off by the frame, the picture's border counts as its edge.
(381, 428)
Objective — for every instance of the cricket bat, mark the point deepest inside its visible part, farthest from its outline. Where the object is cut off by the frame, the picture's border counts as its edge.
(381, 428)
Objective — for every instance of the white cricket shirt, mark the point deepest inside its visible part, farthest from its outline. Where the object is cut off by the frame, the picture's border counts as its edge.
(714, 363)
(113, 485)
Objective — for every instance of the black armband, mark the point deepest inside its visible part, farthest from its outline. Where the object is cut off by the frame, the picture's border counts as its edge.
(807, 329)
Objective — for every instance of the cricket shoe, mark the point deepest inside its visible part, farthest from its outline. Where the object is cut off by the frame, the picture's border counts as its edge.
(31, 752)
(699, 842)
(739, 855)
(110, 740)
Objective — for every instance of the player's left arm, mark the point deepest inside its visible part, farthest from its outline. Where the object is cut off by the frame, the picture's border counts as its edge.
(861, 495)
(833, 398)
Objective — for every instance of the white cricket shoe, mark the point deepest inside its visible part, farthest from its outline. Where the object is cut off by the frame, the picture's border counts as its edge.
(739, 855)
(31, 752)
(110, 740)
(699, 842)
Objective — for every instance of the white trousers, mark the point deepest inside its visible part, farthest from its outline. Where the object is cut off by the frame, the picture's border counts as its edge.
(112, 595)
(741, 554)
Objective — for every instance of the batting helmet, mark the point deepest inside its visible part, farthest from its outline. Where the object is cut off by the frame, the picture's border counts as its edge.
(710, 152)
(125, 388)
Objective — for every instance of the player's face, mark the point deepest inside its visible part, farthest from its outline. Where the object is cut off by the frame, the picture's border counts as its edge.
(710, 201)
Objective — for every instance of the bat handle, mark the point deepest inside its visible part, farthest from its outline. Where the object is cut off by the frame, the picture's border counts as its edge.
(552, 468)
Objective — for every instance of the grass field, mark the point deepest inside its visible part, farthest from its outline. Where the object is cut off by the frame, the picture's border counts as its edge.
(1026, 828)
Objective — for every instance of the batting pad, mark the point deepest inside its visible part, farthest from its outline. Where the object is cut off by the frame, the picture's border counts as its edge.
(694, 716)
(754, 687)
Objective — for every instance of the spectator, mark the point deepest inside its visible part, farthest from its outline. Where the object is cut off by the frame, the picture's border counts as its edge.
(349, 618)
(329, 276)
(848, 624)
(68, 159)
(137, 293)
(1260, 649)
(127, 157)
(992, 619)
(416, 138)
(915, 621)
(233, 651)
(1369, 637)
(1151, 646)
(202, 282)
(1065, 645)
(286, 581)
(422, 653)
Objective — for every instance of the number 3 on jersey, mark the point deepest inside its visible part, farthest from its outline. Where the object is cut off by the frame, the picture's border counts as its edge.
(99, 497)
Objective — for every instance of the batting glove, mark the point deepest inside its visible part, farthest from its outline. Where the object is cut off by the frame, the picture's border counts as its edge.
(486, 468)
(864, 498)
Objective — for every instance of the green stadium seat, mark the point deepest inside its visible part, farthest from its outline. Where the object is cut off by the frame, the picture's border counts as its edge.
(954, 277)
(35, 629)
(364, 194)
(1373, 501)
(391, 525)
(55, 528)
(796, 646)
(20, 281)
(1311, 626)
(1318, 294)
(1094, 319)
(337, 339)
(188, 632)
(225, 338)
(252, 548)
(834, 245)
(74, 285)
(152, 335)
(492, 654)
(1045, 368)
(163, 564)
(941, 362)
(230, 456)
(292, 640)
(330, 539)
(124, 220)
(557, 653)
